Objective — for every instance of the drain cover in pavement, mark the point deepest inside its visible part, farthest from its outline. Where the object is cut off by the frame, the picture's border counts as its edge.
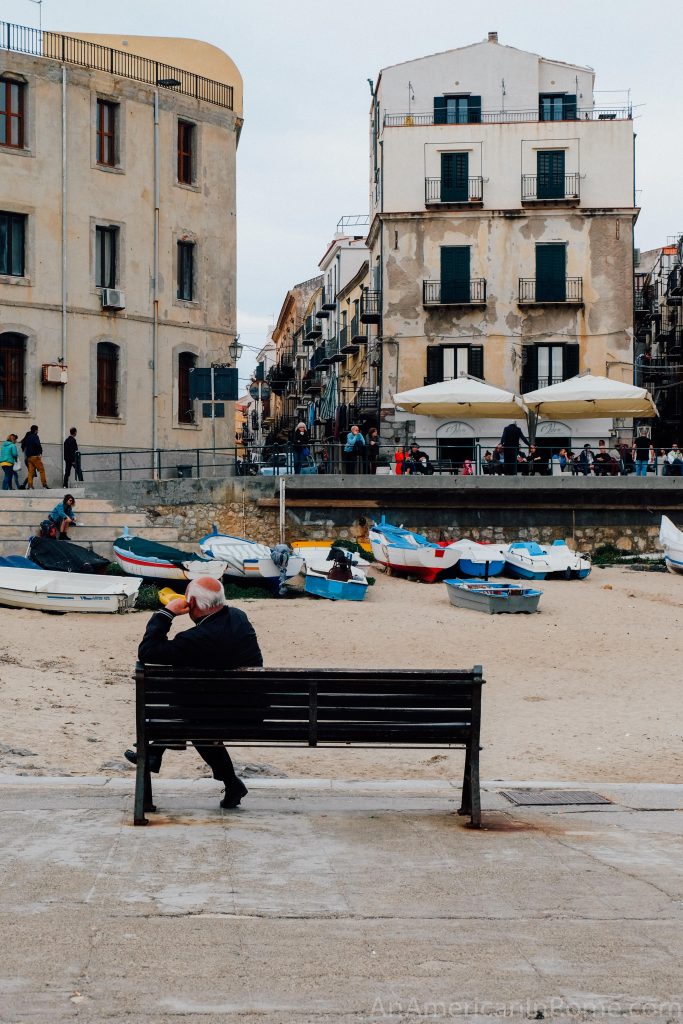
(540, 797)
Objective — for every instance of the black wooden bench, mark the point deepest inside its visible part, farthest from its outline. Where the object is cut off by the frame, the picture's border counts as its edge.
(297, 706)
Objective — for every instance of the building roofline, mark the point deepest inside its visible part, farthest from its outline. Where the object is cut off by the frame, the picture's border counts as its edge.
(482, 42)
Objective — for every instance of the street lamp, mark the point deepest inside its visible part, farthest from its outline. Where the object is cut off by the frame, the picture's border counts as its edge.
(235, 349)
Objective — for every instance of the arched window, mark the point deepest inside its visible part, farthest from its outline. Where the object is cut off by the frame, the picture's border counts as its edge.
(12, 366)
(186, 361)
(107, 379)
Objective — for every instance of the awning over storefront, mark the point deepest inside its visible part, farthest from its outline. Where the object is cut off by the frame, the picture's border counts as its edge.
(589, 397)
(463, 396)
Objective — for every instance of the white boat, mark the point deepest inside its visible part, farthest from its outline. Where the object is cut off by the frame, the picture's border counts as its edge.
(149, 560)
(247, 559)
(671, 539)
(410, 554)
(477, 560)
(526, 560)
(565, 562)
(312, 553)
(336, 578)
(48, 591)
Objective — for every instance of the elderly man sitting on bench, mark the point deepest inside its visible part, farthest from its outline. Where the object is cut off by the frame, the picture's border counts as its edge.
(222, 638)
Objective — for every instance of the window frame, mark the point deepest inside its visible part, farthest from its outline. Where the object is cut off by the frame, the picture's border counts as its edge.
(17, 380)
(186, 360)
(103, 231)
(7, 111)
(186, 246)
(107, 398)
(12, 219)
(104, 135)
(186, 152)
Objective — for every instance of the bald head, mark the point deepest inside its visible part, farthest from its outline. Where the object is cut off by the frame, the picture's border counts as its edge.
(206, 595)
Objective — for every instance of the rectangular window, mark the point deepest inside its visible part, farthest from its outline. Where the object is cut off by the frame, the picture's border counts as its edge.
(186, 362)
(12, 243)
(551, 272)
(107, 379)
(457, 109)
(556, 107)
(12, 357)
(106, 245)
(186, 271)
(12, 101)
(185, 152)
(455, 273)
(543, 365)
(447, 362)
(107, 116)
(454, 172)
(550, 174)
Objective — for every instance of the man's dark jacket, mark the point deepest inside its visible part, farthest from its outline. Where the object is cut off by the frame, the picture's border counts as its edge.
(223, 640)
(511, 436)
(32, 445)
(70, 448)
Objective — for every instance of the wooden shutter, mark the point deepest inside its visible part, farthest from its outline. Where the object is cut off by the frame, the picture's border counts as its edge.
(439, 110)
(107, 379)
(571, 361)
(529, 368)
(455, 273)
(454, 174)
(475, 361)
(12, 358)
(569, 108)
(551, 278)
(434, 365)
(550, 173)
(186, 362)
(474, 109)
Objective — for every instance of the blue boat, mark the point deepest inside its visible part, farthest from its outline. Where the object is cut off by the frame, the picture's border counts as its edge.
(526, 561)
(493, 598)
(336, 578)
(17, 562)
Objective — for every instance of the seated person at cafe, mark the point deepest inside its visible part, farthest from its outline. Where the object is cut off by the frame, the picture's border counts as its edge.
(538, 463)
(604, 464)
(487, 462)
(586, 460)
(498, 460)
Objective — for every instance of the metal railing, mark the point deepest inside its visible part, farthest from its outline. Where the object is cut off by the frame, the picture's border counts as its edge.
(444, 293)
(312, 328)
(438, 192)
(370, 306)
(410, 120)
(86, 54)
(568, 187)
(359, 333)
(572, 293)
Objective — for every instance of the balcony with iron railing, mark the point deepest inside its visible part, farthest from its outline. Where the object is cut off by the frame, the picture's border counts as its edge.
(346, 346)
(674, 285)
(312, 329)
(359, 333)
(370, 307)
(454, 293)
(95, 57)
(366, 400)
(439, 192)
(422, 119)
(567, 291)
(328, 303)
(565, 189)
(644, 300)
(323, 310)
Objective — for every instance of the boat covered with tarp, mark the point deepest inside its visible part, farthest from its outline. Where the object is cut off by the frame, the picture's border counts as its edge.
(49, 591)
(64, 556)
(150, 560)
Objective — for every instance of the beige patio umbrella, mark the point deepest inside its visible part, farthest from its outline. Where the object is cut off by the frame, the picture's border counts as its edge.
(463, 396)
(589, 397)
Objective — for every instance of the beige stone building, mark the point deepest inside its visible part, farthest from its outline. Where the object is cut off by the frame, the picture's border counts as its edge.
(117, 236)
(501, 242)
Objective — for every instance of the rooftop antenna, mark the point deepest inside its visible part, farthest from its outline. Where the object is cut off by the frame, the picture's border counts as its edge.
(39, 4)
(411, 95)
(502, 92)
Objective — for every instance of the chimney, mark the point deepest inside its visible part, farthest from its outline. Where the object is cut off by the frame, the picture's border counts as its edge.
(493, 37)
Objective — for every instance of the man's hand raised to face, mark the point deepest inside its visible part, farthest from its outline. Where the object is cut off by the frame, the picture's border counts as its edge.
(178, 606)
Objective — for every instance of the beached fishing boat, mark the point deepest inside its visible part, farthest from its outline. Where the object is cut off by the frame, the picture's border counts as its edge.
(249, 560)
(564, 562)
(481, 561)
(525, 560)
(47, 591)
(671, 539)
(336, 577)
(64, 556)
(147, 559)
(493, 598)
(410, 554)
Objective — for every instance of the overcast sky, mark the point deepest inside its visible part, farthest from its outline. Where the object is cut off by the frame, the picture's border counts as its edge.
(302, 159)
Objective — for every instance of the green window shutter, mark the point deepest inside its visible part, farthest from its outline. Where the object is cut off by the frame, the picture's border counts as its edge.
(550, 174)
(455, 273)
(475, 361)
(439, 110)
(454, 172)
(434, 365)
(474, 109)
(551, 276)
(259, 373)
(569, 108)
(571, 361)
(529, 368)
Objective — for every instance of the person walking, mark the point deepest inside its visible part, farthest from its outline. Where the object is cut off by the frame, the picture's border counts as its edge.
(510, 439)
(72, 457)
(33, 452)
(353, 449)
(8, 456)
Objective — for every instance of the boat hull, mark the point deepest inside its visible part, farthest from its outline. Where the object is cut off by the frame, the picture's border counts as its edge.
(493, 599)
(157, 569)
(247, 560)
(335, 590)
(66, 602)
(48, 591)
(426, 562)
(671, 539)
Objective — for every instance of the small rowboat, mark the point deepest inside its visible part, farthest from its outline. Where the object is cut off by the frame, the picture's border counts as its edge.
(150, 560)
(247, 559)
(336, 577)
(47, 591)
(493, 598)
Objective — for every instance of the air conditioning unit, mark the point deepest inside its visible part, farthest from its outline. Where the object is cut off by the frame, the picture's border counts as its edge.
(636, 257)
(112, 298)
(54, 373)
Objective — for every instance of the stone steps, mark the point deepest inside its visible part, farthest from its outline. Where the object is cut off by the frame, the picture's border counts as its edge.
(135, 521)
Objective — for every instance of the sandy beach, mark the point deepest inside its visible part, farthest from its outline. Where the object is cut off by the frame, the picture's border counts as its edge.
(588, 689)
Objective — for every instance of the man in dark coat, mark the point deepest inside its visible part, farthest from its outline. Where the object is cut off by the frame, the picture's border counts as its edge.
(510, 439)
(72, 457)
(33, 454)
(222, 638)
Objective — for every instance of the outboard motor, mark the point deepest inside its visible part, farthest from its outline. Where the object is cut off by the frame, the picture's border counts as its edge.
(342, 565)
(281, 554)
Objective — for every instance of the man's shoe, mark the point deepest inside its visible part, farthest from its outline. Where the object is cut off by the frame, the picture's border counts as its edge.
(234, 791)
(153, 759)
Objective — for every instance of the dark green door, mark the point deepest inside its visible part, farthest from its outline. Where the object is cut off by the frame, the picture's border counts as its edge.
(454, 171)
(455, 274)
(550, 174)
(551, 272)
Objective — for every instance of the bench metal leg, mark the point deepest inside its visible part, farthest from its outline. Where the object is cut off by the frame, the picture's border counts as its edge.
(471, 800)
(143, 789)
